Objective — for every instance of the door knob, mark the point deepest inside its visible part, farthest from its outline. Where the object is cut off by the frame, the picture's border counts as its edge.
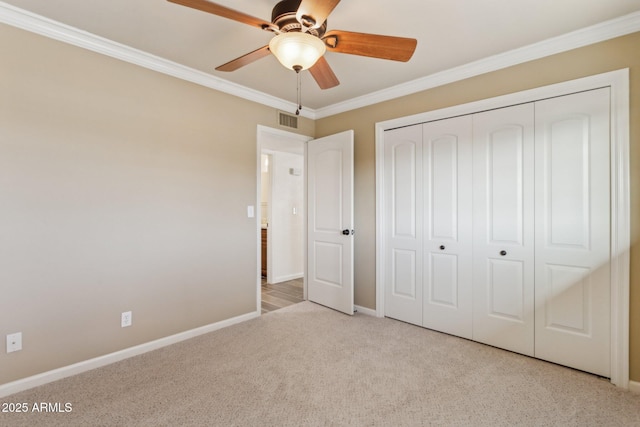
(442, 247)
(503, 253)
(346, 231)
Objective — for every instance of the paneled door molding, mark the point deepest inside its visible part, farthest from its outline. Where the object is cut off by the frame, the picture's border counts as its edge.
(618, 82)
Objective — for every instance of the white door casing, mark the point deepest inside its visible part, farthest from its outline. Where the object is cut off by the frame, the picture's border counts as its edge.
(330, 228)
(573, 231)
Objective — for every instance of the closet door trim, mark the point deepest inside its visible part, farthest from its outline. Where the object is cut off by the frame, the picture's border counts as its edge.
(618, 81)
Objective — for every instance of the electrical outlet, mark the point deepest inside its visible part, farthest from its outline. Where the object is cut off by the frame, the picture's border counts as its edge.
(126, 319)
(14, 342)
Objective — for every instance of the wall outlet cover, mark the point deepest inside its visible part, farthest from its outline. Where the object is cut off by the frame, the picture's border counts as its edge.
(14, 342)
(126, 319)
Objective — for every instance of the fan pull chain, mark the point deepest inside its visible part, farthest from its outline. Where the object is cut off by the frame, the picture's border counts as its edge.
(298, 90)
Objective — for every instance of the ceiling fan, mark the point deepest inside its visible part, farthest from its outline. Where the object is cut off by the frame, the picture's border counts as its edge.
(302, 38)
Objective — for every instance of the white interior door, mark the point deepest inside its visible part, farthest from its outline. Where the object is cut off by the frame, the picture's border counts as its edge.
(447, 178)
(403, 224)
(573, 231)
(503, 267)
(330, 228)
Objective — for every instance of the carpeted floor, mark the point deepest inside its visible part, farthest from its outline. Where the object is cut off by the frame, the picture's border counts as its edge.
(305, 365)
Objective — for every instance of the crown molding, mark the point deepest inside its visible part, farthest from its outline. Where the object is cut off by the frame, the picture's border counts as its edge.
(34, 23)
(23, 19)
(621, 26)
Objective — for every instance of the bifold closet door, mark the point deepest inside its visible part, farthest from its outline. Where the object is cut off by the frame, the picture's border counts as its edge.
(503, 228)
(497, 228)
(403, 223)
(573, 231)
(447, 276)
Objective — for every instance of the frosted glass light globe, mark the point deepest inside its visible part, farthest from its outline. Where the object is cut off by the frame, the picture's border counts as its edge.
(297, 49)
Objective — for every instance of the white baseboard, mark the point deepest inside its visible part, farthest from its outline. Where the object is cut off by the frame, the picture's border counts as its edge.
(634, 386)
(287, 277)
(365, 310)
(87, 365)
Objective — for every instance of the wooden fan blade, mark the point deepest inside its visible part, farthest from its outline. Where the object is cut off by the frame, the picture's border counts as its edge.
(245, 59)
(225, 12)
(373, 45)
(323, 74)
(315, 11)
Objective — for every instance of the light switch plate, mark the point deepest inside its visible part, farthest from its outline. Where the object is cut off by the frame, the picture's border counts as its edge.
(250, 211)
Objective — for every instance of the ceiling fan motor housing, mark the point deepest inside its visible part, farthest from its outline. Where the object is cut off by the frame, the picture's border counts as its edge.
(283, 16)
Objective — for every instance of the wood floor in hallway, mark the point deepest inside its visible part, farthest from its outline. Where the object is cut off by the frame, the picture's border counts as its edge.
(279, 295)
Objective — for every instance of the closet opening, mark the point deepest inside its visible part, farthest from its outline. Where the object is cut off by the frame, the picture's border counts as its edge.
(536, 217)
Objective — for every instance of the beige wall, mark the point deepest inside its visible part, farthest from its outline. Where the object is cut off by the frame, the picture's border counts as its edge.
(120, 189)
(602, 57)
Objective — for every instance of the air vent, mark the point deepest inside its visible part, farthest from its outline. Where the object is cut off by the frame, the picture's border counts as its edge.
(287, 120)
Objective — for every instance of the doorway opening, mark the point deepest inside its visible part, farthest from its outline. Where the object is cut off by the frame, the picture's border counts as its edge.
(281, 218)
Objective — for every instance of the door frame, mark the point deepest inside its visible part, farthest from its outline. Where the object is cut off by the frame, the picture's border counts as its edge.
(618, 81)
(263, 134)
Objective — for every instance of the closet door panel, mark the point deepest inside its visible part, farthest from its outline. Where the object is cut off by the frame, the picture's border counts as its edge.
(442, 270)
(403, 224)
(505, 173)
(506, 289)
(572, 231)
(503, 244)
(447, 160)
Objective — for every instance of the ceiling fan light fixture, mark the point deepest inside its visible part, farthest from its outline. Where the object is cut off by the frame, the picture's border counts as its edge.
(297, 50)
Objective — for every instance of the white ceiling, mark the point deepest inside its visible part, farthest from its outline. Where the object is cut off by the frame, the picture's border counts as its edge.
(450, 33)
